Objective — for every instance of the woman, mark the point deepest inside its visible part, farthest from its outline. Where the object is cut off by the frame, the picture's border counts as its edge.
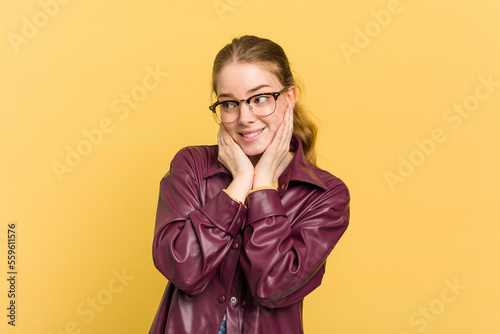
(244, 228)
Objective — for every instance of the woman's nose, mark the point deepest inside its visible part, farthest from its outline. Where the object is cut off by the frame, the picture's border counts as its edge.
(245, 115)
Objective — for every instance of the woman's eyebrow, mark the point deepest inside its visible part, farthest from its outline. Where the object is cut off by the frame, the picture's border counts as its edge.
(257, 88)
(248, 92)
(224, 95)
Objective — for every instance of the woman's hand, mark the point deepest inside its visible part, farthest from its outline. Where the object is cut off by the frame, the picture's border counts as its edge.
(276, 157)
(236, 161)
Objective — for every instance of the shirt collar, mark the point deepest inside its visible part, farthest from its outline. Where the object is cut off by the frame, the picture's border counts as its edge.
(300, 168)
(217, 167)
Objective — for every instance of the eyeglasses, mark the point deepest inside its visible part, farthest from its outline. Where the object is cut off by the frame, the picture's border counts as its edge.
(263, 104)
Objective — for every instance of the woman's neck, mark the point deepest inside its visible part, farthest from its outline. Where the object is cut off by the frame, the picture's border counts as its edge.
(254, 159)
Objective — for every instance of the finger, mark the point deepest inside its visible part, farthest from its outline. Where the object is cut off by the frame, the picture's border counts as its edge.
(289, 122)
(283, 134)
(278, 136)
(288, 109)
(228, 140)
(220, 138)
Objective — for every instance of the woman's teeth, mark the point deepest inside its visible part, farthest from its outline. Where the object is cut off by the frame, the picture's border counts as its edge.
(250, 135)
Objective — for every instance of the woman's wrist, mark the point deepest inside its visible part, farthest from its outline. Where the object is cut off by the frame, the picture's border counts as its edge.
(239, 188)
(263, 181)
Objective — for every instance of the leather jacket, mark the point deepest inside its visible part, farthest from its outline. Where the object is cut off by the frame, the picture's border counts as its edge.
(253, 262)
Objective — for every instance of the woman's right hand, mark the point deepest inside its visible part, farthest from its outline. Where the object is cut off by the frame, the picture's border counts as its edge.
(236, 161)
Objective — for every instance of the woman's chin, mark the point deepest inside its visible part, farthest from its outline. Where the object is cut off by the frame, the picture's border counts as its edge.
(254, 149)
(253, 152)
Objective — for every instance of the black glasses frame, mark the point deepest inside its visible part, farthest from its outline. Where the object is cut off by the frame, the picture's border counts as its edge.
(275, 95)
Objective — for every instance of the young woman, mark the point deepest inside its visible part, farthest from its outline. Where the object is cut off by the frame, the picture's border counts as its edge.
(244, 228)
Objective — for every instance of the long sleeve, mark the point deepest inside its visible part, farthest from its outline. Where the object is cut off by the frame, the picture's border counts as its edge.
(253, 264)
(192, 234)
(283, 257)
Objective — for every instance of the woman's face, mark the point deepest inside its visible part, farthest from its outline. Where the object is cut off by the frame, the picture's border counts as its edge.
(239, 81)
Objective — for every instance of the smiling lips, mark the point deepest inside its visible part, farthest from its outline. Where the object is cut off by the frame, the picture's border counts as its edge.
(251, 136)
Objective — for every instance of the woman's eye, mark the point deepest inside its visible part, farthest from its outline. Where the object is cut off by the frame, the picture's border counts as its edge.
(260, 99)
(228, 105)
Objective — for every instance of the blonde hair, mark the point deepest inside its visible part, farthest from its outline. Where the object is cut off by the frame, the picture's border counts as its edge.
(252, 49)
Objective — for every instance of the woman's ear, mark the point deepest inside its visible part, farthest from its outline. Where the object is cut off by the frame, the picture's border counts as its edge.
(291, 95)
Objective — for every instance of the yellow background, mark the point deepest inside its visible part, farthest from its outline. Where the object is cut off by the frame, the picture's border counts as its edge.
(436, 226)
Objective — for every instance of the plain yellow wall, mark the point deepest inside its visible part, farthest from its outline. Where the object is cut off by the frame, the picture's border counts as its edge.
(407, 95)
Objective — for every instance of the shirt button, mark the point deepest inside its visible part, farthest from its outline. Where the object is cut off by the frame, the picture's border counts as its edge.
(235, 245)
(233, 300)
(222, 299)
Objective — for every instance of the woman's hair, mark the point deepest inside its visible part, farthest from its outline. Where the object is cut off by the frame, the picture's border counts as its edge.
(261, 51)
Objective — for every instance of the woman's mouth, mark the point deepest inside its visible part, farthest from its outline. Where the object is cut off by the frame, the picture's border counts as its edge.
(251, 136)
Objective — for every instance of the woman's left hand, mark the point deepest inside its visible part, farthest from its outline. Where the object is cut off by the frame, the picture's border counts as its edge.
(276, 156)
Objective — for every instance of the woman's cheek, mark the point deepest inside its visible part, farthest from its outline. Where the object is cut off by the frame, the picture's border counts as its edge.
(232, 133)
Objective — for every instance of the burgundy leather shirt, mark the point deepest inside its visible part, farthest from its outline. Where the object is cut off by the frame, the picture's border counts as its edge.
(254, 262)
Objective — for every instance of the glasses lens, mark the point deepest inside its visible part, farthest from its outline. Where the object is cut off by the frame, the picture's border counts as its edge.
(227, 111)
(263, 105)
